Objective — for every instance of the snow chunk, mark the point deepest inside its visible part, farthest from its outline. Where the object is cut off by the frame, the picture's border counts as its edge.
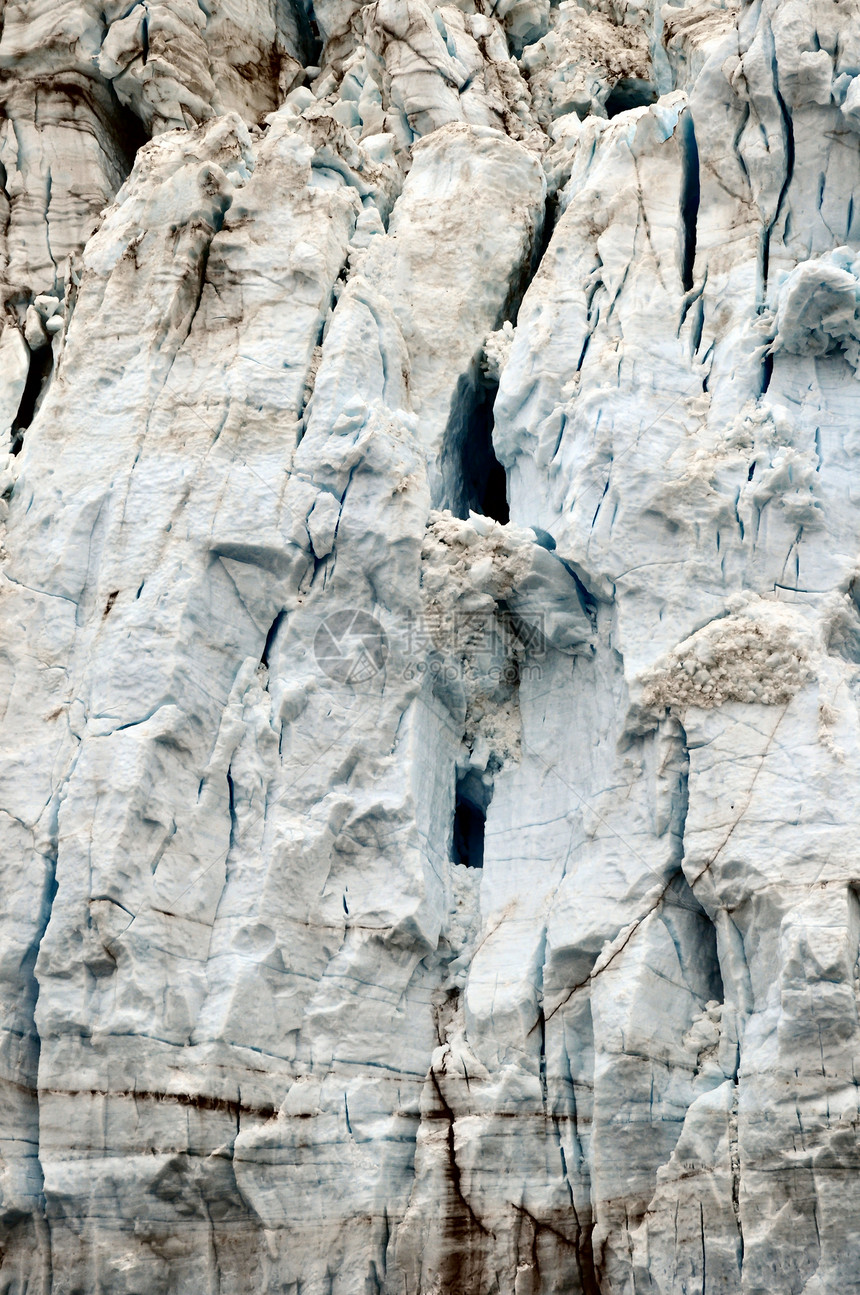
(817, 307)
(575, 67)
(497, 348)
(761, 653)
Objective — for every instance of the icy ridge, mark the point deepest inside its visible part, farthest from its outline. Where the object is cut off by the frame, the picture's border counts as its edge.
(430, 647)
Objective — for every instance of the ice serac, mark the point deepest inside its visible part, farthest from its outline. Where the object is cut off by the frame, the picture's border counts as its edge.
(430, 647)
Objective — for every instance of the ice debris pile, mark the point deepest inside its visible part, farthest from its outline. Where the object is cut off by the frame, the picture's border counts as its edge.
(430, 644)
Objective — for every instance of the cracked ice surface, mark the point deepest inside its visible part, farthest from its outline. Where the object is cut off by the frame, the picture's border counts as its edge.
(430, 647)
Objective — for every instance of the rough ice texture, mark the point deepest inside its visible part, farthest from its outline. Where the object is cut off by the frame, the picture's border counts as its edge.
(430, 643)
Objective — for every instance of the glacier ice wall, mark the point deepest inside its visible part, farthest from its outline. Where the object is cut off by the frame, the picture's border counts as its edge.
(430, 647)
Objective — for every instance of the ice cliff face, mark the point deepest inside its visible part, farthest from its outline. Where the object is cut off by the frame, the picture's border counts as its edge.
(431, 647)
